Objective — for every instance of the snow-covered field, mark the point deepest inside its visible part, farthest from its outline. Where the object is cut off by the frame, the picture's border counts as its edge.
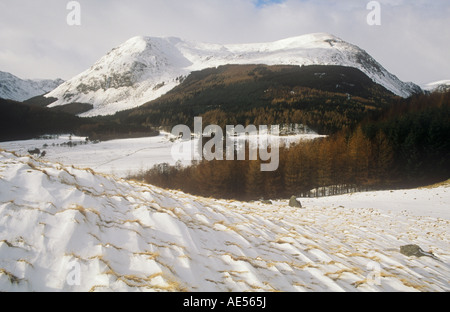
(118, 157)
(63, 228)
(121, 158)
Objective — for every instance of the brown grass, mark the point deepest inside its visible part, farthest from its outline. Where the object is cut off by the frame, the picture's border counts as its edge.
(436, 185)
(280, 241)
(355, 271)
(12, 278)
(94, 288)
(297, 284)
(145, 282)
(32, 165)
(8, 243)
(302, 266)
(107, 245)
(412, 285)
(137, 222)
(26, 262)
(359, 283)
(94, 236)
(84, 211)
(73, 255)
(249, 260)
(148, 254)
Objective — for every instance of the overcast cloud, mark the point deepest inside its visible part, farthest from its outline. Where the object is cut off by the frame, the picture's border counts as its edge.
(413, 41)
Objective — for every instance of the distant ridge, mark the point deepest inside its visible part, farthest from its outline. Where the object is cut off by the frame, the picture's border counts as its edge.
(17, 89)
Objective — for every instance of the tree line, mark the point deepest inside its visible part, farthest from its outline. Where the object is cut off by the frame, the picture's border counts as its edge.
(406, 145)
(21, 121)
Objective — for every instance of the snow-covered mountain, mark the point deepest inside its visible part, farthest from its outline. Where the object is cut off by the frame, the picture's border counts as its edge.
(14, 88)
(69, 229)
(437, 86)
(144, 68)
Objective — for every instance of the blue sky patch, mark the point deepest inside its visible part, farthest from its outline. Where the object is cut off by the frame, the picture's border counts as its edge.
(261, 3)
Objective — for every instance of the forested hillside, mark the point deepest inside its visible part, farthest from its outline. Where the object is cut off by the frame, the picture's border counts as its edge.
(404, 146)
(20, 121)
(326, 98)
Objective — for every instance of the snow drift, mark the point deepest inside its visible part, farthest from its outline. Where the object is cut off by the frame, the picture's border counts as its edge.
(69, 229)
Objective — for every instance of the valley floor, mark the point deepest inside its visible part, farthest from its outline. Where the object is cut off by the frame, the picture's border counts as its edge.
(69, 229)
(120, 158)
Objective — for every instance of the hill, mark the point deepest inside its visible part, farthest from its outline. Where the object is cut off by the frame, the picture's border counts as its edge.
(68, 229)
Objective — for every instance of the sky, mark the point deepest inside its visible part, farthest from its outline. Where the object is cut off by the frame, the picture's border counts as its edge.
(36, 41)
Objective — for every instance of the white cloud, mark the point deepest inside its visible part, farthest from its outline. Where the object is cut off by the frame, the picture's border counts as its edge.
(412, 42)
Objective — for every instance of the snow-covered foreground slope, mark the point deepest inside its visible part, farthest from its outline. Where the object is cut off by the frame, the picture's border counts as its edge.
(14, 88)
(144, 68)
(69, 229)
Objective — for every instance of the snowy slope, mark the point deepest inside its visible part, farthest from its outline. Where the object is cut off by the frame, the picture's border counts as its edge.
(14, 88)
(437, 86)
(144, 68)
(63, 228)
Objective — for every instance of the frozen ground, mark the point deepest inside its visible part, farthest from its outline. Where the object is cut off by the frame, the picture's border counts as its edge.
(117, 157)
(63, 228)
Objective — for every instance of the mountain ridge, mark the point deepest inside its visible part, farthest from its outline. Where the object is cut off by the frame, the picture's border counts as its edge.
(437, 86)
(144, 68)
(17, 89)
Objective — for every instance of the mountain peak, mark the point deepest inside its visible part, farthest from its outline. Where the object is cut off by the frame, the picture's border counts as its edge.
(437, 86)
(144, 41)
(144, 68)
(315, 37)
(17, 89)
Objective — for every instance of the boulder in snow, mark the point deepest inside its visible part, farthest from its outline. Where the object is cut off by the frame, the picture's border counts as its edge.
(414, 250)
(294, 202)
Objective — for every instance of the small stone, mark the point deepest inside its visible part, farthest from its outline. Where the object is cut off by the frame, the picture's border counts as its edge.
(412, 250)
(294, 202)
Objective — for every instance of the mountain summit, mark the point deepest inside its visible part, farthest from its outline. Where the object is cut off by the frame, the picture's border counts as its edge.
(144, 68)
(437, 86)
(17, 89)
